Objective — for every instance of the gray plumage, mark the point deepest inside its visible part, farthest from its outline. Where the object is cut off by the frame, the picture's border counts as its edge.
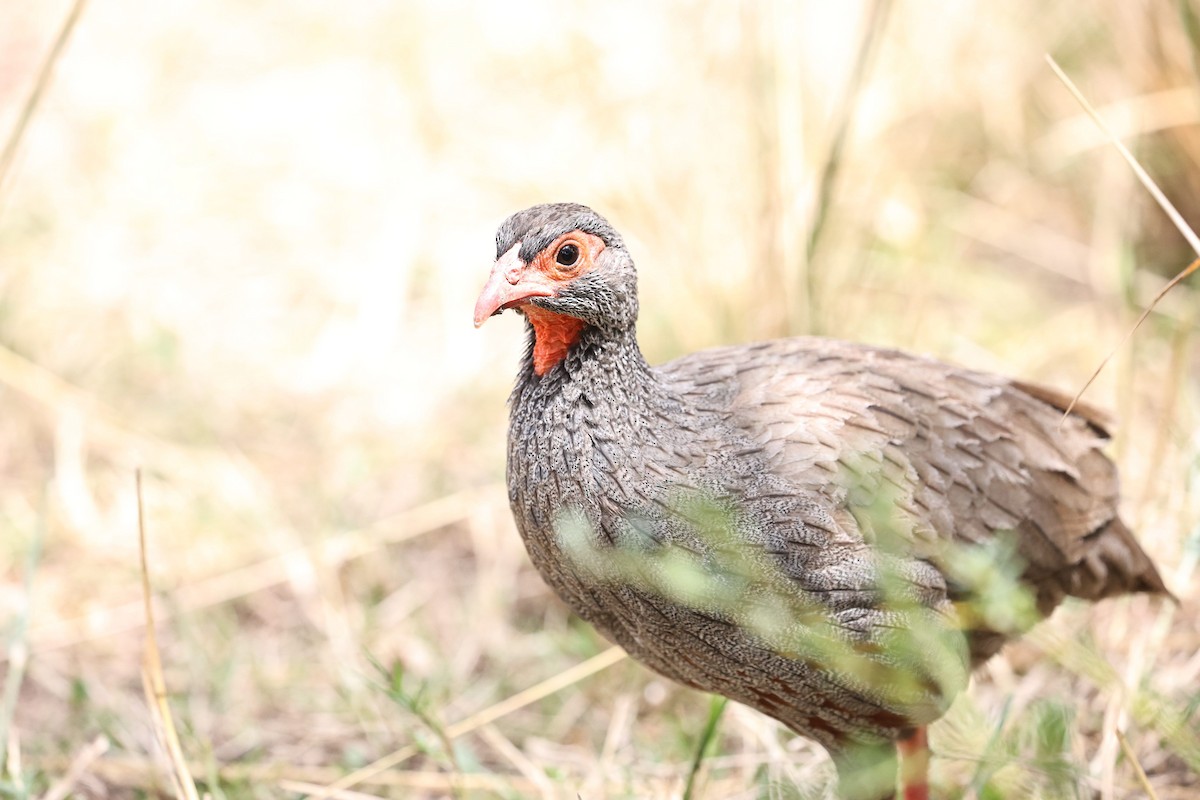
(791, 523)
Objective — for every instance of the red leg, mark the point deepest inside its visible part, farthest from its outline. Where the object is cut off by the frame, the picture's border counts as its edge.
(914, 765)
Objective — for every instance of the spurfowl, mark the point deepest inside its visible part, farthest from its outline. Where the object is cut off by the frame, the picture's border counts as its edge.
(831, 533)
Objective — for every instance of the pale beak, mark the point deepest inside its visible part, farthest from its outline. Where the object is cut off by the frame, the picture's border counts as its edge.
(509, 284)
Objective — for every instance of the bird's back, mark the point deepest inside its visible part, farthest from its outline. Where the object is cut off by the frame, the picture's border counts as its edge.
(927, 459)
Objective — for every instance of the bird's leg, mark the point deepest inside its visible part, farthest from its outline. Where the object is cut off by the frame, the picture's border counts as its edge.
(866, 771)
(914, 765)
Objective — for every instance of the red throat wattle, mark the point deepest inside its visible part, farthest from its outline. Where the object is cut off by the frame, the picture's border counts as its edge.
(513, 283)
(553, 336)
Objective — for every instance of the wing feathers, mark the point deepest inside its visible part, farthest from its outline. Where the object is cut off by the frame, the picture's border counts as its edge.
(961, 456)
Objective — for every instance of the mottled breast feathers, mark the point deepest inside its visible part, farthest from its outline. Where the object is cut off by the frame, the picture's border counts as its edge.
(791, 523)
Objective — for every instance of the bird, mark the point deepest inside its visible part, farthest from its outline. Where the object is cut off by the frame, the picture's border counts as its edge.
(832, 533)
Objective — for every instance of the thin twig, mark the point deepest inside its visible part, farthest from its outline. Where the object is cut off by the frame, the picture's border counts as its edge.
(152, 675)
(1160, 198)
(1137, 766)
(1148, 182)
(39, 87)
(1128, 334)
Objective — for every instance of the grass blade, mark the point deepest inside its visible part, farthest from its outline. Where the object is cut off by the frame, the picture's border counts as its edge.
(39, 87)
(153, 682)
(716, 708)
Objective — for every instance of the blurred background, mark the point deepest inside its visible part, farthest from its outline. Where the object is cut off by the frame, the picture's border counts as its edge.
(240, 245)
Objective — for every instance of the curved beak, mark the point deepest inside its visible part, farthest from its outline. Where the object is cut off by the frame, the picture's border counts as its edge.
(509, 285)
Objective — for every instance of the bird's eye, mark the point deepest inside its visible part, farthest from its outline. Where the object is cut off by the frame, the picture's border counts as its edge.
(567, 255)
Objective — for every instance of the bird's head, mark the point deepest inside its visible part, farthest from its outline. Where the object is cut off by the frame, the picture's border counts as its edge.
(565, 268)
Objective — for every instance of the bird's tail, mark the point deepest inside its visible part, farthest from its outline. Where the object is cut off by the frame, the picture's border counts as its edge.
(1115, 564)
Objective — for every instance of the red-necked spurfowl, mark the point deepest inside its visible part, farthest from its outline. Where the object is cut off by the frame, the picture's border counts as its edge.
(831, 533)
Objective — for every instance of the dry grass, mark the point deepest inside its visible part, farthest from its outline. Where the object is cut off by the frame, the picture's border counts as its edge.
(239, 246)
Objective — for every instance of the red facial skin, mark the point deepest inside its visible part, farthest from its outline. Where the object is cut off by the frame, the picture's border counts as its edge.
(513, 283)
(553, 335)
